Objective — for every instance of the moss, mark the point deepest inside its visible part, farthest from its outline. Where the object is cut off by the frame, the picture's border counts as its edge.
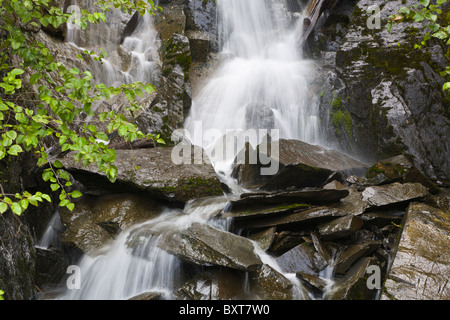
(374, 171)
(211, 187)
(292, 206)
(337, 103)
(337, 120)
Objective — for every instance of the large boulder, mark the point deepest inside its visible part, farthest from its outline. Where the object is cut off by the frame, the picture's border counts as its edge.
(152, 171)
(381, 96)
(96, 221)
(421, 269)
(398, 169)
(204, 245)
(299, 165)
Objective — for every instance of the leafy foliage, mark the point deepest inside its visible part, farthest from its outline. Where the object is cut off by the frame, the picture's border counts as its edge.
(431, 13)
(57, 107)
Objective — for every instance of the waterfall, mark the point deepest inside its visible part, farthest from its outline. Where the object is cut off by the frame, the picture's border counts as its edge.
(262, 77)
(136, 58)
(51, 236)
(262, 82)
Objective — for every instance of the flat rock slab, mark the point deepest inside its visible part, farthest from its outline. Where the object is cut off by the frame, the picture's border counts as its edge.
(152, 171)
(204, 245)
(310, 216)
(395, 193)
(340, 227)
(310, 196)
(421, 268)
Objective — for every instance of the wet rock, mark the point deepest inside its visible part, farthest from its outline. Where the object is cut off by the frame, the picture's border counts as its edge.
(395, 193)
(292, 221)
(200, 45)
(381, 219)
(259, 212)
(349, 255)
(301, 258)
(96, 221)
(399, 169)
(214, 284)
(17, 259)
(340, 227)
(285, 241)
(264, 238)
(169, 21)
(400, 88)
(421, 270)
(314, 283)
(288, 198)
(152, 171)
(51, 267)
(205, 245)
(299, 165)
(440, 201)
(353, 286)
(320, 247)
(268, 284)
(201, 16)
(353, 203)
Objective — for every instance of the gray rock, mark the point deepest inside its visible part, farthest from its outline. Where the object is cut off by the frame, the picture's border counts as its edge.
(340, 227)
(395, 193)
(349, 255)
(299, 165)
(268, 284)
(157, 174)
(214, 284)
(204, 245)
(390, 93)
(96, 221)
(301, 258)
(420, 270)
(399, 169)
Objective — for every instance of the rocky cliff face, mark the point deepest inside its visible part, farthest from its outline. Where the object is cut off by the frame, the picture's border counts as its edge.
(378, 95)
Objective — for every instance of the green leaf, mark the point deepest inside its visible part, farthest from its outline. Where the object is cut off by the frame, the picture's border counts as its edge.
(15, 150)
(47, 175)
(123, 130)
(16, 208)
(46, 197)
(70, 206)
(3, 207)
(15, 72)
(11, 134)
(76, 194)
(24, 203)
(57, 164)
(64, 203)
(54, 186)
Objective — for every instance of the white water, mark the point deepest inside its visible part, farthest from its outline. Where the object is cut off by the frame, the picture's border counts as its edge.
(263, 66)
(136, 59)
(51, 236)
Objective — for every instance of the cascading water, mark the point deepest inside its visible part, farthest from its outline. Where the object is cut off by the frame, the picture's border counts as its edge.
(135, 59)
(263, 81)
(262, 71)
